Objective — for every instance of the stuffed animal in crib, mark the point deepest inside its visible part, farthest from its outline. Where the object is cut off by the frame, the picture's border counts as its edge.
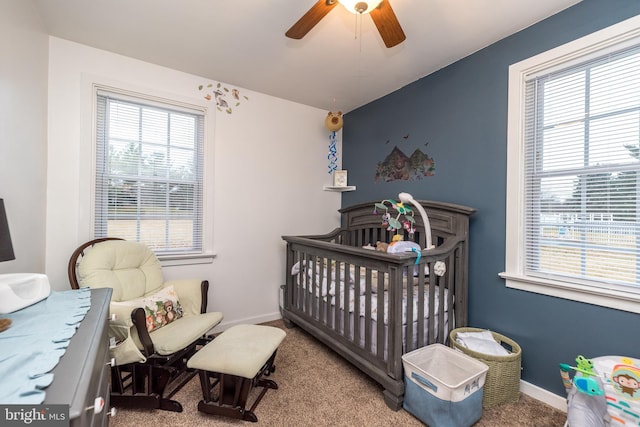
(382, 246)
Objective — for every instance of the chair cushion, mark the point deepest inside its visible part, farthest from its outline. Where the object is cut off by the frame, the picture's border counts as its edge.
(131, 269)
(189, 293)
(179, 334)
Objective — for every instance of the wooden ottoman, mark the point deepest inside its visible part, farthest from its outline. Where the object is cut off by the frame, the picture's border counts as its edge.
(235, 361)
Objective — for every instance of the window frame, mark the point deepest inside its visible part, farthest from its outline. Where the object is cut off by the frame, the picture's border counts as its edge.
(206, 254)
(616, 37)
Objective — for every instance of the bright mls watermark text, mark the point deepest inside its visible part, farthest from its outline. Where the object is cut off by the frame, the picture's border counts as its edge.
(34, 415)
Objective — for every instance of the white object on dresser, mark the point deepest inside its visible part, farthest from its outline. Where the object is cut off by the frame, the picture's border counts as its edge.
(20, 290)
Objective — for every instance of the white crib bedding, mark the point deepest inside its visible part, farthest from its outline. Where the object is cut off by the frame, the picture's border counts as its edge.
(373, 346)
(362, 303)
(326, 289)
(323, 274)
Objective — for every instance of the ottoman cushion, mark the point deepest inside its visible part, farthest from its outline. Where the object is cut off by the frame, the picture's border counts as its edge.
(241, 350)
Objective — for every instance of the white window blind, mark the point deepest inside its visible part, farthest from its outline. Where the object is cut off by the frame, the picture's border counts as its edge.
(581, 173)
(149, 161)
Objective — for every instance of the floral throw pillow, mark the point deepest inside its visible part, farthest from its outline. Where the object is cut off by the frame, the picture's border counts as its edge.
(162, 308)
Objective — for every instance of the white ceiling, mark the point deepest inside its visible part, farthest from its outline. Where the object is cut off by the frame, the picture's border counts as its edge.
(339, 65)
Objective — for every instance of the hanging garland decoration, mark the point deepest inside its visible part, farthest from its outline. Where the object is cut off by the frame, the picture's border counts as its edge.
(333, 122)
(333, 153)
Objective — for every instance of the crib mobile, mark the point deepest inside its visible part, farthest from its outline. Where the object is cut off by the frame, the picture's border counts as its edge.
(403, 210)
(404, 219)
(394, 224)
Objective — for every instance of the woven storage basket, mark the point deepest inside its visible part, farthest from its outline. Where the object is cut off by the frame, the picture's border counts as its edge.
(502, 384)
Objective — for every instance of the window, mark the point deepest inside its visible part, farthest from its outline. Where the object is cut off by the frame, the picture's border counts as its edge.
(573, 215)
(149, 172)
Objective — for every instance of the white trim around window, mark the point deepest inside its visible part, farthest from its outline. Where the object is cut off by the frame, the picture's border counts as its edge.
(620, 36)
(90, 85)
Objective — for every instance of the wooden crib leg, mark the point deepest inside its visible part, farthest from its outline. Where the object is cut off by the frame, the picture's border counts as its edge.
(392, 400)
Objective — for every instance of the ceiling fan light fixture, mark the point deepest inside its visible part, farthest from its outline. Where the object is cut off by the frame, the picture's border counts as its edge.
(360, 6)
(380, 11)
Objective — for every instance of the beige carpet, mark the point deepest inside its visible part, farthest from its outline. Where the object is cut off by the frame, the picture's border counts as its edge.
(319, 388)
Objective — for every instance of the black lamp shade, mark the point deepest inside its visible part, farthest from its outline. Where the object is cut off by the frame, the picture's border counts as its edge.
(6, 248)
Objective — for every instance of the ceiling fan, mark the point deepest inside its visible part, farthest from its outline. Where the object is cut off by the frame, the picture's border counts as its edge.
(380, 10)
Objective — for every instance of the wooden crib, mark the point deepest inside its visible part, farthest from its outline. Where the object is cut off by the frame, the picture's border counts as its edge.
(371, 307)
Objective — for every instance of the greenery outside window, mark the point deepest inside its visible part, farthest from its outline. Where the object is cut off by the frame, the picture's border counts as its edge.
(573, 205)
(149, 172)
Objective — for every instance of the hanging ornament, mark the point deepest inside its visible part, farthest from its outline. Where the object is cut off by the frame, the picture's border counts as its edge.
(333, 122)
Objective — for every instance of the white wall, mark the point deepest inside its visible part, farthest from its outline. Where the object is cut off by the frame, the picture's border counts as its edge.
(270, 163)
(23, 151)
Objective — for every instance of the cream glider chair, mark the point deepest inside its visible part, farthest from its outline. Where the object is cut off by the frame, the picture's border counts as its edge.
(156, 325)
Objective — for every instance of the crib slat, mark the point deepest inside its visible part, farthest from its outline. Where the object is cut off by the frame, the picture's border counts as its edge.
(442, 283)
(344, 288)
(421, 312)
(380, 342)
(461, 289)
(312, 284)
(433, 282)
(356, 310)
(395, 324)
(407, 283)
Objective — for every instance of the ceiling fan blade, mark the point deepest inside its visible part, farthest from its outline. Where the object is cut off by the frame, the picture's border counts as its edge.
(310, 19)
(388, 25)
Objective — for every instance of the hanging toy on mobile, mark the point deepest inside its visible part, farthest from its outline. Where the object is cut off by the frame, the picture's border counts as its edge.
(334, 123)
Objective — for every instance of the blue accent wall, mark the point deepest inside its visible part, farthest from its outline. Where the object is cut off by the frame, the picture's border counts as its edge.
(460, 112)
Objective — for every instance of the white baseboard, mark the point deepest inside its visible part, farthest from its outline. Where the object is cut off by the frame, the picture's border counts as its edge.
(545, 396)
(247, 321)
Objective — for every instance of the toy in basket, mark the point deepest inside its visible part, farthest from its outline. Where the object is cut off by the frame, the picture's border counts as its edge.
(605, 391)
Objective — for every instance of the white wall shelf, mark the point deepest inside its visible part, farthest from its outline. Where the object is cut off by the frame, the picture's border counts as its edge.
(339, 189)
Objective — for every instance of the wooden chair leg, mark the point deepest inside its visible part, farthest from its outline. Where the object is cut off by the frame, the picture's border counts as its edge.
(232, 401)
(142, 386)
(234, 392)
